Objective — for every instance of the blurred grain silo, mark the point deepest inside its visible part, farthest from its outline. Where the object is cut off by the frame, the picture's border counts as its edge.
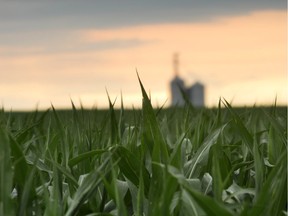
(177, 84)
(195, 93)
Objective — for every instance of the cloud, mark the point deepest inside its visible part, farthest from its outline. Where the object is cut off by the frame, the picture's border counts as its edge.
(46, 47)
(17, 16)
(225, 54)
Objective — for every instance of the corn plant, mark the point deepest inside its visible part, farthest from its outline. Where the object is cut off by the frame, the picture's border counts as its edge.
(163, 161)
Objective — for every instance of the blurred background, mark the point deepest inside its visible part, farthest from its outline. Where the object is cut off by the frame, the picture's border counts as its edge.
(55, 51)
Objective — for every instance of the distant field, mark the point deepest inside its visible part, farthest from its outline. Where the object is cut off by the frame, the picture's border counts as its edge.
(176, 161)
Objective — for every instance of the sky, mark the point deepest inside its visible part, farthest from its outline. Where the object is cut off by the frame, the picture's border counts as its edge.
(52, 52)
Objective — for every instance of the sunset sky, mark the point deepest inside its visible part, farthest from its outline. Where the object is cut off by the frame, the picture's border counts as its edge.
(55, 51)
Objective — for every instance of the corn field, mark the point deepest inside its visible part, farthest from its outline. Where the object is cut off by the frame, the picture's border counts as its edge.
(162, 161)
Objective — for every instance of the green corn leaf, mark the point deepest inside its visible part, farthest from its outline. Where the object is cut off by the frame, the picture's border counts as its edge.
(140, 196)
(74, 161)
(87, 188)
(201, 156)
(208, 205)
(6, 175)
(119, 197)
(27, 195)
(277, 142)
(21, 168)
(160, 151)
(243, 132)
(272, 197)
(217, 183)
(131, 167)
(65, 172)
(63, 147)
(259, 169)
(113, 124)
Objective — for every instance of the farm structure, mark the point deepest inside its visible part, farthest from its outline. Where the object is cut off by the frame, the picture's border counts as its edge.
(195, 93)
